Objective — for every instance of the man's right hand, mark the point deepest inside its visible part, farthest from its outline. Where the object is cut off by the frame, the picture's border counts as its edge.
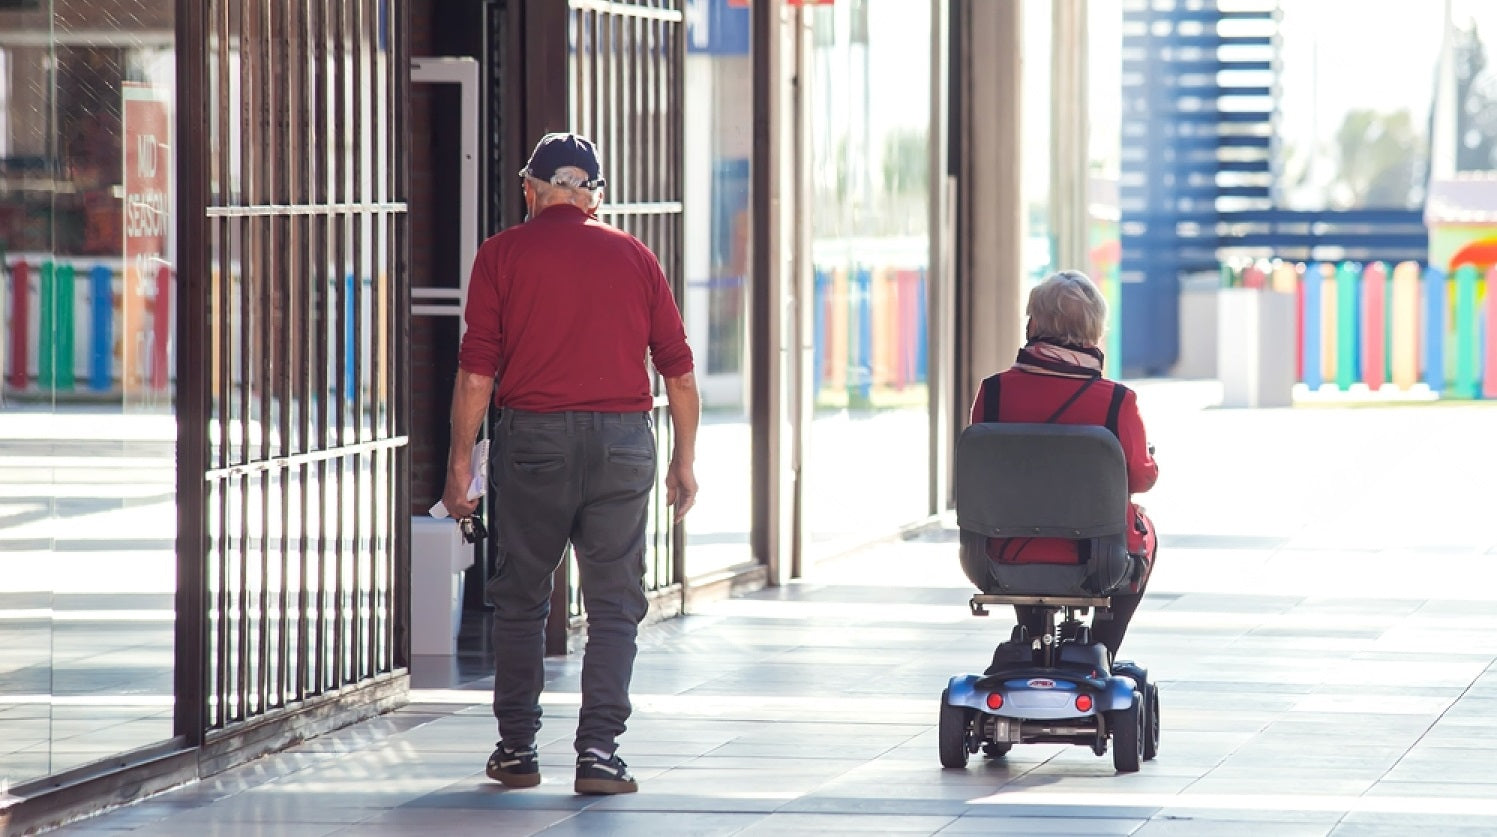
(455, 494)
(680, 487)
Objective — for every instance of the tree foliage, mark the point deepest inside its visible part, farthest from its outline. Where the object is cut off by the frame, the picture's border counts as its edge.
(906, 160)
(1476, 100)
(1379, 160)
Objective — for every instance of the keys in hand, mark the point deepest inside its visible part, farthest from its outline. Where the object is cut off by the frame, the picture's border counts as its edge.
(472, 529)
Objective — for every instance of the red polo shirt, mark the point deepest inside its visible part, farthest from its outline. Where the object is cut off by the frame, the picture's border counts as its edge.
(565, 308)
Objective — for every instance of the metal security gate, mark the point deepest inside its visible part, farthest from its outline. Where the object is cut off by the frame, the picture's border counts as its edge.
(614, 71)
(293, 371)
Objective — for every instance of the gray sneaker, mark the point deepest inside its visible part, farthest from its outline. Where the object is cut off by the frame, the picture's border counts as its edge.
(597, 775)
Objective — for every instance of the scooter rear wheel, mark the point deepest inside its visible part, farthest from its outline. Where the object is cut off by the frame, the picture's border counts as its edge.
(955, 733)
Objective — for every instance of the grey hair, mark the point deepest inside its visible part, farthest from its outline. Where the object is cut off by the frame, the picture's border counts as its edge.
(1067, 308)
(566, 186)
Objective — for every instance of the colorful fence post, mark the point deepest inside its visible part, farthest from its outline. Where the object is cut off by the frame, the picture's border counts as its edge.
(67, 327)
(101, 326)
(1374, 333)
(1296, 286)
(1404, 321)
(883, 340)
(1347, 279)
(1489, 364)
(20, 331)
(860, 344)
(1434, 329)
(161, 318)
(46, 332)
(836, 342)
(1312, 286)
(822, 280)
(1465, 385)
(922, 333)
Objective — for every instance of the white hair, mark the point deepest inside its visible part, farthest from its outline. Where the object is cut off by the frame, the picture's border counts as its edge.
(567, 186)
(1067, 308)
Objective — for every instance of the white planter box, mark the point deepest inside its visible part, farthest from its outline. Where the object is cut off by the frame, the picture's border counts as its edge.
(1255, 347)
(438, 559)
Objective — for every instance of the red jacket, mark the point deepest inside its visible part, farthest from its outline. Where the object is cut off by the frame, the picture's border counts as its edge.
(1027, 396)
(565, 308)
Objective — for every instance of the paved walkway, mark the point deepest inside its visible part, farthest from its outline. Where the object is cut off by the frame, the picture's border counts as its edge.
(1322, 623)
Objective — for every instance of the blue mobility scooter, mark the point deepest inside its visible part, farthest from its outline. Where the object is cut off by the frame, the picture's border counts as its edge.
(1047, 480)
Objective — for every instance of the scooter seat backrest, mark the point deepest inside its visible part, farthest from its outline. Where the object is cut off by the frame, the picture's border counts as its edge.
(1026, 480)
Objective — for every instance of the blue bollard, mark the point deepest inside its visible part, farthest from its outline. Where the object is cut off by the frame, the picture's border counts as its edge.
(860, 361)
(1434, 329)
(101, 327)
(1314, 281)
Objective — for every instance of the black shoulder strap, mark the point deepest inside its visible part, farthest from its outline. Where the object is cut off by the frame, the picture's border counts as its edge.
(990, 398)
(1119, 392)
(1069, 401)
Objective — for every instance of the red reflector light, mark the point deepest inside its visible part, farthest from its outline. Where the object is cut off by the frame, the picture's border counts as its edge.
(995, 701)
(1084, 703)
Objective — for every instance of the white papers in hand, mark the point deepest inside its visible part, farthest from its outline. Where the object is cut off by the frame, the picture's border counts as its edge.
(479, 484)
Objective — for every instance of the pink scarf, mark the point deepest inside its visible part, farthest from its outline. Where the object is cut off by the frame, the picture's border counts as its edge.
(1065, 361)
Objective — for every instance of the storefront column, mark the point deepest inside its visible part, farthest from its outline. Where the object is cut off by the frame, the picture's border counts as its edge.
(987, 40)
(772, 270)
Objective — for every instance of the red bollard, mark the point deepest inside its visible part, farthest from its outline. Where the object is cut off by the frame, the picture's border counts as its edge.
(161, 325)
(20, 338)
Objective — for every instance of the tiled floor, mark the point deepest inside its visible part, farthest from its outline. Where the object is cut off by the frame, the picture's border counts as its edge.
(1322, 628)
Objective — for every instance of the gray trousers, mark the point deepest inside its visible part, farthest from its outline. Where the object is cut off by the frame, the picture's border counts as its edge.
(583, 478)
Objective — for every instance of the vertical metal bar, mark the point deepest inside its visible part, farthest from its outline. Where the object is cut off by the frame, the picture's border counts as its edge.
(270, 354)
(597, 27)
(360, 465)
(673, 160)
(338, 41)
(400, 94)
(290, 393)
(221, 337)
(263, 266)
(301, 176)
(189, 664)
(612, 129)
(317, 182)
(246, 382)
(637, 62)
(377, 334)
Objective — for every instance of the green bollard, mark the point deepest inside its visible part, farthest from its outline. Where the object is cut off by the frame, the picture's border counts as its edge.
(66, 325)
(1388, 323)
(1466, 384)
(1348, 277)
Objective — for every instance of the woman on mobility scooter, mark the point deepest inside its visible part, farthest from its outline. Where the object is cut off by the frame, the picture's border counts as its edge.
(1048, 525)
(1058, 379)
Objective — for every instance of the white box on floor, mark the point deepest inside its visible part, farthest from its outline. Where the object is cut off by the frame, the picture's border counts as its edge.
(438, 560)
(1255, 347)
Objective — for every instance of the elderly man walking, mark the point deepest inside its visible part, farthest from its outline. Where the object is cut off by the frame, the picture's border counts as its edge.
(563, 311)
